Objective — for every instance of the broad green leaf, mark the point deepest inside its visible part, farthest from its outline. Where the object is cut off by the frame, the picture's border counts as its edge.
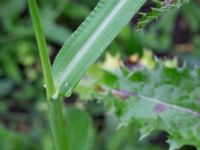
(162, 98)
(79, 129)
(83, 48)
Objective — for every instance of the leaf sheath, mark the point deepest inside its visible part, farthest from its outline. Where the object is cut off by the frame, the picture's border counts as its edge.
(57, 125)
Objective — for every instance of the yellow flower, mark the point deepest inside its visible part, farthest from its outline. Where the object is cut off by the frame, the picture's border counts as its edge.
(111, 63)
(147, 59)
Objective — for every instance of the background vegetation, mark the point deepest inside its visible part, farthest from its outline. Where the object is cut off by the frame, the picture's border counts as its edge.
(23, 109)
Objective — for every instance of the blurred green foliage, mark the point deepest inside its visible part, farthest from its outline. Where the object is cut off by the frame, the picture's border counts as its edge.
(23, 121)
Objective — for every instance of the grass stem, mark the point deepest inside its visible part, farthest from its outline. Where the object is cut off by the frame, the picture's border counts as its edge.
(46, 66)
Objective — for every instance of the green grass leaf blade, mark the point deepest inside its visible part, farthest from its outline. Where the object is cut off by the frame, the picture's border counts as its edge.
(87, 43)
(46, 66)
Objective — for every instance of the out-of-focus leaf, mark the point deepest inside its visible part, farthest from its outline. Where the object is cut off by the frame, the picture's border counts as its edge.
(32, 74)
(76, 11)
(130, 40)
(47, 143)
(9, 11)
(192, 13)
(79, 129)
(5, 87)
(56, 33)
(10, 67)
(25, 92)
(25, 53)
(13, 140)
(53, 9)
(11, 7)
(159, 35)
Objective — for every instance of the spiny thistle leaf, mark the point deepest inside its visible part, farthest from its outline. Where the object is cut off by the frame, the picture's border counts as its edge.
(162, 98)
(160, 7)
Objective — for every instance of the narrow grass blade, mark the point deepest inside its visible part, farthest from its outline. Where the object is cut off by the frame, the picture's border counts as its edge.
(90, 39)
(46, 66)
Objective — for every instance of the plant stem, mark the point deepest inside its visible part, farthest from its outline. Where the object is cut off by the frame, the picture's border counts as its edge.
(57, 124)
(55, 108)
(46, 66)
